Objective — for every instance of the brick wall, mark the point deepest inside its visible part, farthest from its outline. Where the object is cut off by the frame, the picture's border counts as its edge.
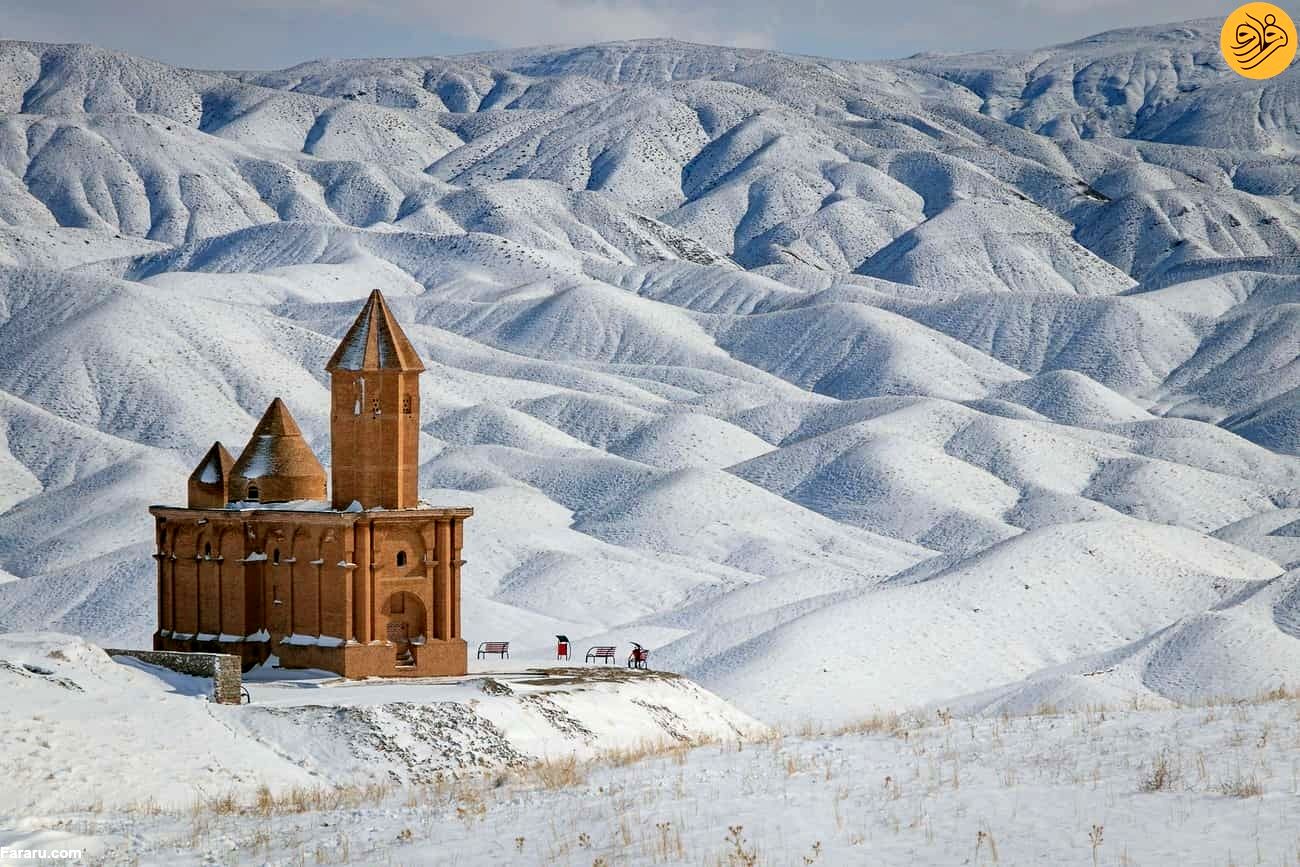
(223, 668)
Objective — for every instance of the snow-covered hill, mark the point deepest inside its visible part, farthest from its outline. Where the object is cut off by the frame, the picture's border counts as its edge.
(617, 767)
(80, 708)
(842, 385)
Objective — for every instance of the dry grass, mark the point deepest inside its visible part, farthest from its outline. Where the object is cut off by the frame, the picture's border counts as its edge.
(261, 840)
(299, 799)
(1096, 836)
(568, 770)
(739, 852)
(148, 807)
(931, 746)
(1279, 693)
(1163, 775)
(559, 773)
(220, 805)
(903, 724)
(984, 842)
(899, 724)
(892, 724)
(668, 846)
(470, 805)
(678, 750)
(1241, 786)
(466, 793)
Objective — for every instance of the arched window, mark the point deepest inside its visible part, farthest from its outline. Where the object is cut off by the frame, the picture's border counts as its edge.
(207, 549)
(275, 557)
(401, 558)
(253, 492)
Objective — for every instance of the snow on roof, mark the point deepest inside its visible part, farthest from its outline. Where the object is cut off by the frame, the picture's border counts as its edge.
(215, 466)
(309, 505)
(375, 342)
(277, 450)
(284, 506)
(258, 458)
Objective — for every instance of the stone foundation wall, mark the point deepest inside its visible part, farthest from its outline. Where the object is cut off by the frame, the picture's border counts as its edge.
(223, 668)
(250, 652)
(432, 659)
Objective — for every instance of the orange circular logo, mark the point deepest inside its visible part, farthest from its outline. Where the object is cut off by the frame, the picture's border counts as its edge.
(1258, 40)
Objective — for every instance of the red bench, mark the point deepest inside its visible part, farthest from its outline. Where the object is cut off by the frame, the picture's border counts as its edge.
(639, 657)
(603, 652)
(500, 648)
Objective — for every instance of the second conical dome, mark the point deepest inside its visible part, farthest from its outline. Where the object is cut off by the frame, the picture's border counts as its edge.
(277, 465)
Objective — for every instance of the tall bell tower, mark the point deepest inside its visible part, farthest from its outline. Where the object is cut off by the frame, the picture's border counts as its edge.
(375, 413)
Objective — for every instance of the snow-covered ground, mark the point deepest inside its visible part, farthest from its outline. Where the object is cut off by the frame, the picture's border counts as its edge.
(119, 731)
(133, 766)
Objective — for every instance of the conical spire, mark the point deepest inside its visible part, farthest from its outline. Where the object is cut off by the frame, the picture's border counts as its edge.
(277, 464)
(375, 342)
(210, 482)
(277, 422)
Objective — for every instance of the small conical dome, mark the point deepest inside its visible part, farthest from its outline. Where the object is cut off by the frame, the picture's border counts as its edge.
(210, 481)
(277, 464)
(375, 342)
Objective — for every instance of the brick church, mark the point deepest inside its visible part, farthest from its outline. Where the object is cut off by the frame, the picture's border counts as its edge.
(361, 579)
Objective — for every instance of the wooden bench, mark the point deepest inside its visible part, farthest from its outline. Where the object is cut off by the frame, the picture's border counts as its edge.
(604, 652)
(500, 648)
(639, 657)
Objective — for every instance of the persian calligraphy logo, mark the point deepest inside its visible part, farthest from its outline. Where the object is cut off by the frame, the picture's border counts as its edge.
(1258, 40)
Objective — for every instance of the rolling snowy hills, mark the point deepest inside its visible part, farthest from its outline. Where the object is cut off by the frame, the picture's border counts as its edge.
(842, 385)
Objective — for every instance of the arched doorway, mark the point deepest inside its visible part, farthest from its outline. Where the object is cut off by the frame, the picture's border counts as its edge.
(404, 614)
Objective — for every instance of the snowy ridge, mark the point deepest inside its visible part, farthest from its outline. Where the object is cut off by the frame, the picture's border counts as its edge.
(733, 352)
(316, 729)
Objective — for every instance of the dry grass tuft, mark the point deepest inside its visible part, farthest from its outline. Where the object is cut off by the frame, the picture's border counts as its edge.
(296, 800)
(1242, 787)
(1280, 693)
(668, 846)
(1163, 776)
(559, 773)
(892, 724)
(984, 842)
(646, 749)
(739, 852)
